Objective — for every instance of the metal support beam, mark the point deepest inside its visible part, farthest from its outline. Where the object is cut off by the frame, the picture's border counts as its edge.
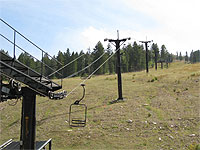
(14, 45)
(28, 119)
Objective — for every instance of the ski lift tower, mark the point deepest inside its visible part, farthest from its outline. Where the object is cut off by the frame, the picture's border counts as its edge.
(35, 84)
(117, 45)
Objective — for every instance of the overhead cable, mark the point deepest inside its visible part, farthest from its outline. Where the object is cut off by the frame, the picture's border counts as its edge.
(65, 65)
(93, 72)
(85, 67)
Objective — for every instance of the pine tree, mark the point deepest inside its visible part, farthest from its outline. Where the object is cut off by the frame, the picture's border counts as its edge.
(196, 56)
(155, 50)
(67, 58)
(129, 52)
(26, 59)
(124, 62)
(180, 56)
(53, 65)
(111, 61)
(142, 56)
(98, 51)
(186, 57)
(74, 66)
(21, 58)
(163, 53)
(191, 57)
(60, 58)
(88, 60)
(177, 58)
(81, 63)
(46, 65)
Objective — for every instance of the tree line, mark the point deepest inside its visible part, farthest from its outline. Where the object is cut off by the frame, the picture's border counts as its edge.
(132, 59)
(193, 58)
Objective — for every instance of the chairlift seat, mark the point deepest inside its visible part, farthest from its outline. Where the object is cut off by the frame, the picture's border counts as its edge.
(77, 115)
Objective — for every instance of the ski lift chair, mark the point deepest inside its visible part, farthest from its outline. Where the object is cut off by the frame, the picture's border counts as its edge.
(78, 112)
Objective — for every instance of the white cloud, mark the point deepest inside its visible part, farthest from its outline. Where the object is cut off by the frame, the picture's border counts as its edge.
(178, 19)
(178, 25)
(174, 23)
(91, 35)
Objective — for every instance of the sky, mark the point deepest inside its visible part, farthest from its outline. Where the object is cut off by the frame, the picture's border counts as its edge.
(55, 25)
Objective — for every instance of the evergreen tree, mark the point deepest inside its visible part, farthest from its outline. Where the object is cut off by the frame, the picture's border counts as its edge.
(111, 61)
(180, 56)
(177, 58)
(53, 65)
(46, 66)
(105, 66)
(74, 66)
(186, 57)
(38, 66)
(98, 51)
(88, 60)
(135, 59)
(163, 53)
(171, 57)
(130, 57)
(26, 59)
(142, 56)
(191, 56)
(196, 56)
(67, 58)
(124, 62)
(81, 63)
(61, 59)
(155, 50)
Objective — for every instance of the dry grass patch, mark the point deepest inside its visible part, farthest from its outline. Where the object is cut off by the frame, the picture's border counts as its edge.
(160, 111)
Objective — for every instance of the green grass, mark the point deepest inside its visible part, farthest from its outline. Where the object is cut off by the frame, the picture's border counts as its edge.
(162, 104)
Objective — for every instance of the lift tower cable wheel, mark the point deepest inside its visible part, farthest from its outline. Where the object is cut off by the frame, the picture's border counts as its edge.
(78, 112)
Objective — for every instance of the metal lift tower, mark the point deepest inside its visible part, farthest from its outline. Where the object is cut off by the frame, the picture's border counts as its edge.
(35, 84)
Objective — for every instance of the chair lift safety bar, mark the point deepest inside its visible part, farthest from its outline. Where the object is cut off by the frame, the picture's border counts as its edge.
(78, 112)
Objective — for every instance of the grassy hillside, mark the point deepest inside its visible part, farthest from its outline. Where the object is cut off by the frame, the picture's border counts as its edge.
(161, 111)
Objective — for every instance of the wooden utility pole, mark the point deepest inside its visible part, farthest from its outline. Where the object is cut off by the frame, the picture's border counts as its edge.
(118, 69)
(156, 59)
(146, 45)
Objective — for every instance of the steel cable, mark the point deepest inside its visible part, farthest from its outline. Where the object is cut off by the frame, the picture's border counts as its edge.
(85, 67)
(93, 72)
(65, 65)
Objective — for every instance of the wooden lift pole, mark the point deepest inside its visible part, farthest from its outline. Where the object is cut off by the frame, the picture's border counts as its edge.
(146, 45)
(117, 45)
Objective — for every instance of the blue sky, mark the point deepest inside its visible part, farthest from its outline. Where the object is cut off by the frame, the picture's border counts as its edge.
(79, 24)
